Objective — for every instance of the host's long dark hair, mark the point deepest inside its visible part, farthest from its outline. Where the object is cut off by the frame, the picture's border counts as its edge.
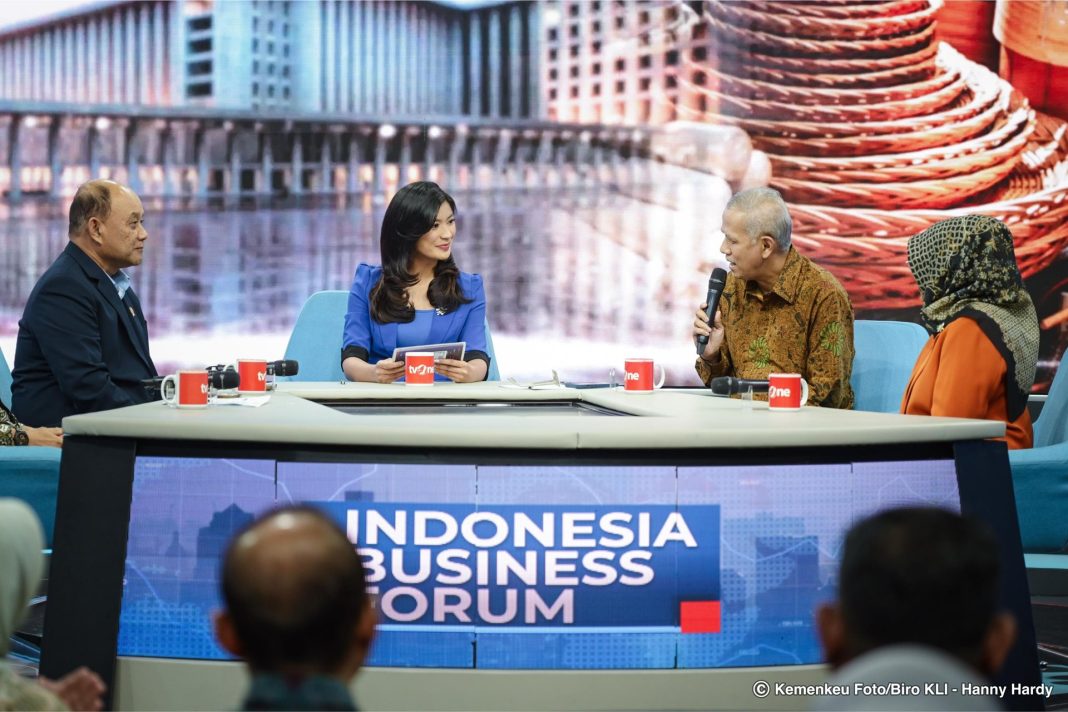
(410, 215)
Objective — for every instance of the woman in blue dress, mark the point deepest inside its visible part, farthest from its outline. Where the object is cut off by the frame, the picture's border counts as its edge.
(418, 296)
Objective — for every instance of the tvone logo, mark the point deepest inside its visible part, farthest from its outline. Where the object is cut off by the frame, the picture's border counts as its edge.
(632, 376)
(778, 392)
(420, 370)
(261, 375)
(203, 388)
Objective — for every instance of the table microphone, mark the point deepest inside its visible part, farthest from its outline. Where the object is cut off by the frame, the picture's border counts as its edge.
(285, 367)
(729, 385)
(223, 380)
(219, 379)
(715, 288)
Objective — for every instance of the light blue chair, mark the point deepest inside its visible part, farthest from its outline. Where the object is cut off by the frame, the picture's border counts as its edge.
(316, 339)
(1040, 475)
(29, 473)
(885, 352)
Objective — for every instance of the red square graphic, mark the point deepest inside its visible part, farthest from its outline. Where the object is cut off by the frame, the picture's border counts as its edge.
(699, 616)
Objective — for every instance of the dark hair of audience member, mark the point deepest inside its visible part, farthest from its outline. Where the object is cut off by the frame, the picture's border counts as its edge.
(919, 575)
(410, 215)
(299, 611)
(93, 200)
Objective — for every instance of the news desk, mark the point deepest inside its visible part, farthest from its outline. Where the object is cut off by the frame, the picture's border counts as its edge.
(529, 549)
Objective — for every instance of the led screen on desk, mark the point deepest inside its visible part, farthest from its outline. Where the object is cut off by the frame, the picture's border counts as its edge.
(543, 566)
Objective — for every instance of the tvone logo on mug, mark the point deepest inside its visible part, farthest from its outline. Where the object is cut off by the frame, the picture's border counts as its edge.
(776, 392)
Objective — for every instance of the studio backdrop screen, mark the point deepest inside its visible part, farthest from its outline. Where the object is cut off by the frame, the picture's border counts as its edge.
(539, 566)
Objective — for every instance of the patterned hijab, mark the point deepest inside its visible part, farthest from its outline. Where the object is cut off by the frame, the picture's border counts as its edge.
(21, 541)
(966, 266)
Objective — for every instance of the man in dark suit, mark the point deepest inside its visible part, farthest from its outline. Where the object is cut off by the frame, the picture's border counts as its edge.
(83, 340)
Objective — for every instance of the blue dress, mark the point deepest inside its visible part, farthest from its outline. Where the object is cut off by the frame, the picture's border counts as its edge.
(372, 341)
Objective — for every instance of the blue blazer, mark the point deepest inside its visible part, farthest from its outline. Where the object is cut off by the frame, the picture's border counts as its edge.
(80, 348)
(371, 341)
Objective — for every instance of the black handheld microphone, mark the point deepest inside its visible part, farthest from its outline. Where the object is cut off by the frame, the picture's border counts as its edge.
(285, 367)
(715, 288)
(729, 385)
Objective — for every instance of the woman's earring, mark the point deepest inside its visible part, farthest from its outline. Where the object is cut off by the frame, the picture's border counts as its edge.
(439, 311)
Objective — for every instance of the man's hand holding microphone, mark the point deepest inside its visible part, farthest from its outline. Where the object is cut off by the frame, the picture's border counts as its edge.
(707, 322)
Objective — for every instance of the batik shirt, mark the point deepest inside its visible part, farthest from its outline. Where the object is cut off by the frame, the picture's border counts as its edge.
(803, 324)
(8, 426)
(277, 692)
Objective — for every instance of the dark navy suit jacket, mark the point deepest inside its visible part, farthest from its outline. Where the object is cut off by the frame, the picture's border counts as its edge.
(80, 348)
(371, 341)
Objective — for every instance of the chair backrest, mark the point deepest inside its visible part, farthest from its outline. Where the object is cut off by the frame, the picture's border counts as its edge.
(317, 336)
(1052, 424)
(885, 352)
(5, 381)
(316, 339)
(494, 373)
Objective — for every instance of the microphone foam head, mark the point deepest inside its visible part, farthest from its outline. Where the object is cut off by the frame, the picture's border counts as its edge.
(227, 378)
(285, 367)
(721, 386)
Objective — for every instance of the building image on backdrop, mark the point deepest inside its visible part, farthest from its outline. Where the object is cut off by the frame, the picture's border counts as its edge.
(591, 147)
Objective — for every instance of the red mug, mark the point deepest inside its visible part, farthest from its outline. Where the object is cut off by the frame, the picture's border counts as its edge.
(253, 375)
(786, 391)
(186, 389)
(419, 368)
(638, 375)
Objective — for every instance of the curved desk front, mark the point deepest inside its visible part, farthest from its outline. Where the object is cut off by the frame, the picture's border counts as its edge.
(559, 549)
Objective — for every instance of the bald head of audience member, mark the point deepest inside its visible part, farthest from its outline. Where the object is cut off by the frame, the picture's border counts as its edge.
(295, 597)
(920, 576)
(107, 222)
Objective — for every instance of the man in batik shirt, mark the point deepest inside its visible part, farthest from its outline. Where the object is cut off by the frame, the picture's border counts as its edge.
(780, 312)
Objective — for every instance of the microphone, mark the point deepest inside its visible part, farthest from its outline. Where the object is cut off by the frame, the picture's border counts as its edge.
(729, 385)
(715, 288)
(285, 367)
(218, 378)
(222, 380)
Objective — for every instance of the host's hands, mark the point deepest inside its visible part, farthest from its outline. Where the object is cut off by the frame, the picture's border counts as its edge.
(713, 332)
(48, 437)
(461, 371)
(388, 370)
(81, 690)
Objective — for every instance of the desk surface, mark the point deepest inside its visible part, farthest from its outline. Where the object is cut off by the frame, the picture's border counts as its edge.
(671, 419)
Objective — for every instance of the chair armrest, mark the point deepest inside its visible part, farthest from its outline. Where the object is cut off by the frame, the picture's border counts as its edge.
(30, 454)
(32, 475)
(1040, 480)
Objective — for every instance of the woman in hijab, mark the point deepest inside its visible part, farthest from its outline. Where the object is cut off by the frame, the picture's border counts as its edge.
(21, 540)
(981, 357)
